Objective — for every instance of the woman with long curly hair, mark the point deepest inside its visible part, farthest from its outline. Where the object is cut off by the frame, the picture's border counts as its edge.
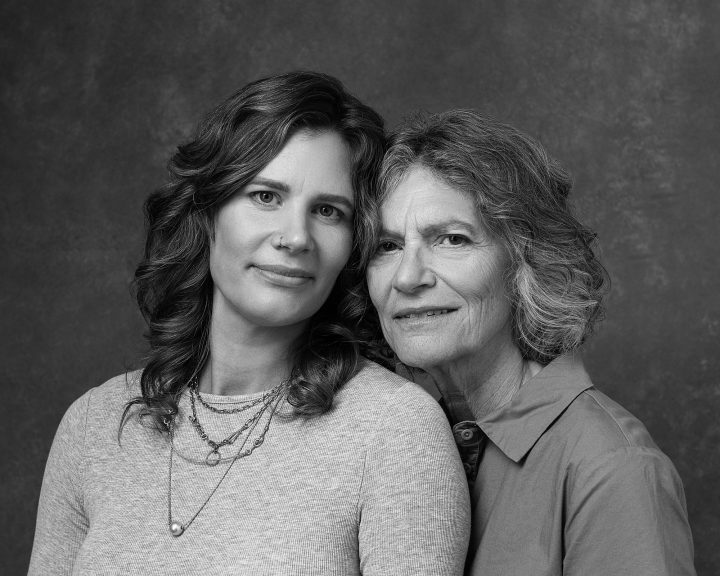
(257, 439)
(485, 280)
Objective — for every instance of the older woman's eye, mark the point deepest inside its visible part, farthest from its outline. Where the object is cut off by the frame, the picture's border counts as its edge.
(386, 246)
(453, 240)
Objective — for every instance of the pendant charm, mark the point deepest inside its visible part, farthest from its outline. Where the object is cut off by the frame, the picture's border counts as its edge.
(213, 457)
(176, 529)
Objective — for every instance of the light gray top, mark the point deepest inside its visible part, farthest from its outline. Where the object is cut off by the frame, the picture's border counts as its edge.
(375, 486)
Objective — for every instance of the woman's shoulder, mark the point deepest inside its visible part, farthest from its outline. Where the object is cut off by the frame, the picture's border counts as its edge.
(106, 401)
(99, 408)
(601, 434)
(403, 430)
(612, 453)
(378, 392)
(117, 390)
(604, 422)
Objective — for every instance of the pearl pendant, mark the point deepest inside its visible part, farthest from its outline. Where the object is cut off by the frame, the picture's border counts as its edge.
(176, 529)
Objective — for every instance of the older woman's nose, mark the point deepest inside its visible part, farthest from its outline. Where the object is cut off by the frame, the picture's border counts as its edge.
(412, 273)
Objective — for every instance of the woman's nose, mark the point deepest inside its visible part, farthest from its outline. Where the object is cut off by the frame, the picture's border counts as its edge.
(412, 273)
(294, 234)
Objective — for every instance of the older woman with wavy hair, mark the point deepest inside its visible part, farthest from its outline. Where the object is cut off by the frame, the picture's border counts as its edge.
(484, 279)
(257, 439)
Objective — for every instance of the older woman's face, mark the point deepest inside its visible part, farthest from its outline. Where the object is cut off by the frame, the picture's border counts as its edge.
(436, 278)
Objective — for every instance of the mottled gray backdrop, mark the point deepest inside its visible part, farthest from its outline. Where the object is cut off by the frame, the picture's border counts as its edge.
(95, 95)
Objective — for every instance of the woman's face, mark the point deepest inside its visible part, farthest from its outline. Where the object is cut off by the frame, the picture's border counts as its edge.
(281, 242)
(437, 276)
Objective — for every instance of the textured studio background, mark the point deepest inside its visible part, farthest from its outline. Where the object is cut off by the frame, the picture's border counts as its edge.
(96, 94)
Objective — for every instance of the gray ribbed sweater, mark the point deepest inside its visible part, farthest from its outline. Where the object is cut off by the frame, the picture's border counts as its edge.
(375, 486)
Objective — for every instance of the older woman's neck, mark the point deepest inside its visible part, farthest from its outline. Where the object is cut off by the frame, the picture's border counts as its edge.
(485, 382)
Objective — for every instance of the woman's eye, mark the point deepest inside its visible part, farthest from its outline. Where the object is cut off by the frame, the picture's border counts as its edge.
(263, 196)
(327, 211)
(453, 240)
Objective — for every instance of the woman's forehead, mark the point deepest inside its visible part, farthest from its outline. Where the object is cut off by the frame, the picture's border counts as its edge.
(420, 188)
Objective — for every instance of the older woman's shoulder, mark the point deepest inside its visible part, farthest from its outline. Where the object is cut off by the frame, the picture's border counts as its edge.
(612, 457)
(604, 424)
(595, 430)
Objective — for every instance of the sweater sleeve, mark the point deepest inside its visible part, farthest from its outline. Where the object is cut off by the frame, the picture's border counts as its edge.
(627, 515)
(61, 520)
(414, 503)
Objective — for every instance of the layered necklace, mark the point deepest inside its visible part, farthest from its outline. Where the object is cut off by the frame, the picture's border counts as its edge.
(267, 403)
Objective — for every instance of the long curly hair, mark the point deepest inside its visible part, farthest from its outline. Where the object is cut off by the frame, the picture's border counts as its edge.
(555, 281)
(172, 283)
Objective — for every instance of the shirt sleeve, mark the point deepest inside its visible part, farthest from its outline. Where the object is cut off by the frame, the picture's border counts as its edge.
(414, 503)
(61, 520)
(626, 514)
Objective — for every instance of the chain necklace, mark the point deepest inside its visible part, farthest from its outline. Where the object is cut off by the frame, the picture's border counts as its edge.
(213, 457)
(195, 391)
(177, 529)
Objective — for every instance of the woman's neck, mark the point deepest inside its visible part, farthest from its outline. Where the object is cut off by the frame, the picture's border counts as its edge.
(245, 359)
(485, 382)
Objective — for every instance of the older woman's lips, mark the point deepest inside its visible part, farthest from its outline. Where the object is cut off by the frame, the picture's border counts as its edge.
(423, 313)
(284, 276)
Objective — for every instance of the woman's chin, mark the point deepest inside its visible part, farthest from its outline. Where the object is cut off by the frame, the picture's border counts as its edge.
(418, 359)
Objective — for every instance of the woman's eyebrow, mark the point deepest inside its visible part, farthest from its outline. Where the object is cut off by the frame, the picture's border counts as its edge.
(270, 183)
(442, 227)
(389, 234)
(438, 228)
(337, 199)
(431, 229)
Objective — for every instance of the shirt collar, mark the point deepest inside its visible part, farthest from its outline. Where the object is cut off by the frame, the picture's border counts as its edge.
(517, 426)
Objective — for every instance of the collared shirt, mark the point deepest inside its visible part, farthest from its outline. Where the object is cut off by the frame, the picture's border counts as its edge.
(570, 483)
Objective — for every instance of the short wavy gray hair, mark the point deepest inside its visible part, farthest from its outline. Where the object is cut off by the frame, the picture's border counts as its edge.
(555, 280)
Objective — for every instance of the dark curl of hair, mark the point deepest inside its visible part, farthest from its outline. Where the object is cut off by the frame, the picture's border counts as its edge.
(555, 281)
(173, 284)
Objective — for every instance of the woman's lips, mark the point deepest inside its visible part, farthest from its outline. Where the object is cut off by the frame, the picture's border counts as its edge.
(425, 318)
(285, 276)
(419, 313)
